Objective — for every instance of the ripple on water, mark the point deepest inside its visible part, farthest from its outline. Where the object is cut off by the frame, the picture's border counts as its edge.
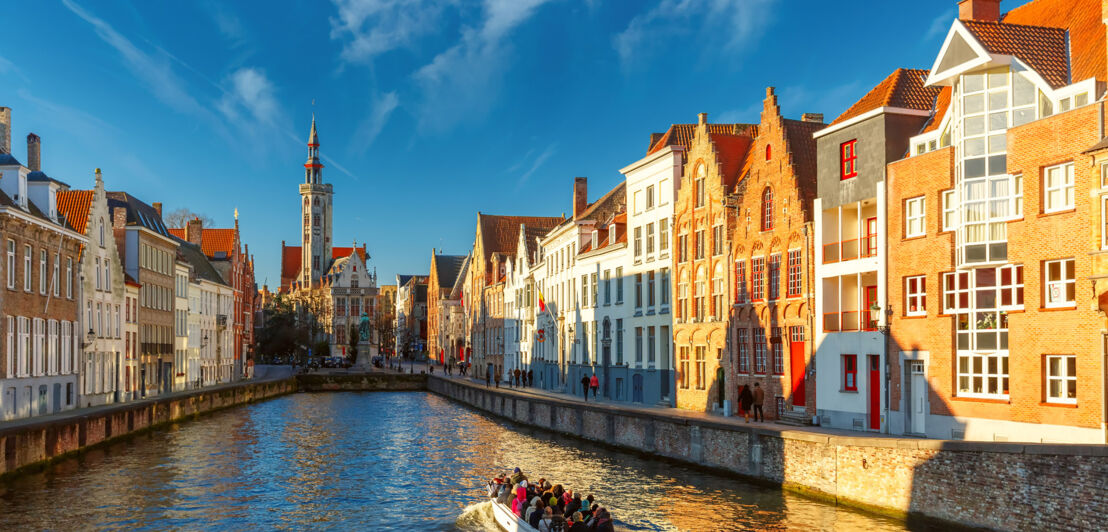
(377, 461)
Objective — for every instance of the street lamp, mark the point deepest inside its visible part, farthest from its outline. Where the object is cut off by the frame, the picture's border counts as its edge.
(89, 339)
(885, 329)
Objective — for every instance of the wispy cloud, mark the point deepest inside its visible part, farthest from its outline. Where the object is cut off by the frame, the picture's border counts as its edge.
(252, 91)
(939, 25)
(373, 27)
(78, 122)
(371, 126)
(717, 24)
(536, 164)
(462, 81)
(7, 67)
(519, 164)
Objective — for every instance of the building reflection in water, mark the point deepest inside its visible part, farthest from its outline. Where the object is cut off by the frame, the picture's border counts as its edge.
(357, 461)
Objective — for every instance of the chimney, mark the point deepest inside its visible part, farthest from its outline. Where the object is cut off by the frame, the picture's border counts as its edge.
(119, 218)
(580, 195)
(194, 229)
(981, 10)
(812, 117)
(5, 130)
(158, 207)
(702, 118)
(34, 144)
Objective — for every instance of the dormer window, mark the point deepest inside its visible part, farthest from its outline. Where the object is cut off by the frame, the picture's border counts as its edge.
(611, 234)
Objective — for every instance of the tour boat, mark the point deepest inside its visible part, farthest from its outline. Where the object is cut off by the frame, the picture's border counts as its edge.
(508, 520)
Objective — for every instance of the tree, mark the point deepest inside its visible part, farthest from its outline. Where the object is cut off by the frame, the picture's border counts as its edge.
(383, 326)
(352, 339)
(281, 336)
(180, 217)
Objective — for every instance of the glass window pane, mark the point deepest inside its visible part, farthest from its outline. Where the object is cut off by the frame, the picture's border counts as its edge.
(1055, 389)
(975, 125)
(973, 82)
(1069, 269)
(1023, 116)
(975, 167)
(998, 164)
(998, 143)
(1071, 368)
(1023, 91)
(998, 100)
(998, 78)
(975, 147)
(1071, 390)
(974, 103)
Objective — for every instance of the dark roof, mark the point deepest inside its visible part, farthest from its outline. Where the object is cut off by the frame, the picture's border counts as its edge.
(38, 176)
(610, 204)
(7, 159)
(402, 280)
(33, 210)
(1098, 146)
(138, 212)
(448, 268)
(201, 268)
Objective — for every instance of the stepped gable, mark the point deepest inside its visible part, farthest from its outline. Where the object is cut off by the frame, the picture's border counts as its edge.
(682, 134)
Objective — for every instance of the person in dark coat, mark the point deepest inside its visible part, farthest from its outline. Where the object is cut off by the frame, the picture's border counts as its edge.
(530, 378)
(585, 387)
(573, 507)
(602, 521)
(759, 398)
(746, 399)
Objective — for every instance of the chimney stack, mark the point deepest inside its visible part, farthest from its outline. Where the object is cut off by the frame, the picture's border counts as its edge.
(194, 230)
(580, 195)
(158, 207)
(812, 117)
(34, 161)
(981, 10)
(119, 218)
(5, 130)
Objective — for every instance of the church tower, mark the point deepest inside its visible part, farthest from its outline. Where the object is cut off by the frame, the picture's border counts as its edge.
(315, 243)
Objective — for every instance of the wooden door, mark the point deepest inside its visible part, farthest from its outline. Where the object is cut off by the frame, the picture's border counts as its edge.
(796, 372)
(874, 392)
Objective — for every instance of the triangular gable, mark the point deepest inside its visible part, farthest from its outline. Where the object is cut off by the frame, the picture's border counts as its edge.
(960, 53)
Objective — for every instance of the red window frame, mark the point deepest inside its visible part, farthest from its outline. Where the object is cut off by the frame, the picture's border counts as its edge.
(767, 209)
(850, 373)
(848, 157)
(741, 295)
(769, 151)
(794, 273)
(757, 276)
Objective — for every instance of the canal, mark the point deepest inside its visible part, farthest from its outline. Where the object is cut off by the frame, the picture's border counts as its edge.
(377, 461)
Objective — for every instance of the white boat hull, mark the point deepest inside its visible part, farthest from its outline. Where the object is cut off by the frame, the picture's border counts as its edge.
(508, 520)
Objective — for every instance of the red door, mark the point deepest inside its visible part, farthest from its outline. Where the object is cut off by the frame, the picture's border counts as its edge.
(874, 392)
(869, 322)
(796, 371)
(869, 246)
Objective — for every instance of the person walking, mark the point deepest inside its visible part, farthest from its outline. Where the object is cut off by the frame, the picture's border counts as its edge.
(594, 383)
(488, 379)
(585, 386)
(759, 398)
(517, 374)
(746, 399)
(498, 375)
(530, 378)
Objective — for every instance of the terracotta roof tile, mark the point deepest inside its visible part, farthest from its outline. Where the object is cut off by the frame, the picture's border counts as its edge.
(290, 260)
(1086, 31)
(903, 88)
(1043, 49)
(212, 241)
(499, 234)
(682, 134)
(75, 205)
(942, 103)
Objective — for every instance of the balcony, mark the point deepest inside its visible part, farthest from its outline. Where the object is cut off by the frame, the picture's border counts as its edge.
(855, 248)
(849, 232)
(850, 321)
(846, 301)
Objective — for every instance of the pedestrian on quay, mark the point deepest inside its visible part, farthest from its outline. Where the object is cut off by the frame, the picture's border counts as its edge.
(594, 383)
(746, 399)
(517, 373)
(759, 398)
(585, 386)
(498, 375)
(530, 377)
(488, 379)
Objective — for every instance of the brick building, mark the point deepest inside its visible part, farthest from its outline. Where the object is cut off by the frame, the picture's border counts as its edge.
(996, 326)
(42, 338)
(443, 275)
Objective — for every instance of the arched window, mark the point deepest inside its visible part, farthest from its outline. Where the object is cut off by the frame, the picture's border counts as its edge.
(769, 151)
(699, 182)
(317, 202)
(767, 209)
(698, 293)
(718, 285)
(683, 295)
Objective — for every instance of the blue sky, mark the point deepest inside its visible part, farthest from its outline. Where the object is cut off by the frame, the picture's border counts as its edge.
(428, 110)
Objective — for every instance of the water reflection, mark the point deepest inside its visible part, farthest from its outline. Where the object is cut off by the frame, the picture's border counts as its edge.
(360, 461)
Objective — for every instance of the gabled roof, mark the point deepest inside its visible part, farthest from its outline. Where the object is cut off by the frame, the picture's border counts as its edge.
(201, 267)
(732, 152)
(290, 260)
(904, 88)
(459, 283)
(682, 134)
(1044, 49)
(212, 241)
(402, 280)
(40, 176)
(532, 235)
(499, 233)
(1086, 31)
(75, 205)
(802, 147)
(33, 210)
(448, 267)
(942, 103)
(138, 212)
(603, 209)
(7, 159)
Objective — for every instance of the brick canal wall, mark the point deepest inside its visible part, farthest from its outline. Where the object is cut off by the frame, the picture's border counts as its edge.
(37, 441)
(993, 485)
(371, 382)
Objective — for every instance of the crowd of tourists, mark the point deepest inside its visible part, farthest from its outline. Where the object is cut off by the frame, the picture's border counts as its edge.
(549, 508)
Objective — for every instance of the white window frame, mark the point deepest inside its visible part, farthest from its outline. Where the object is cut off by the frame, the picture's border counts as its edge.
(1065, 188)
(918, 295)
(911, 216)
(27, 251)
(1066, 362)
(1059, 284)
(11, 264)
(950, 210)
(42, 271)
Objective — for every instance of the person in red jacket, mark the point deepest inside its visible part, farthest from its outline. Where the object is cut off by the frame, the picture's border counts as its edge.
(594, 383)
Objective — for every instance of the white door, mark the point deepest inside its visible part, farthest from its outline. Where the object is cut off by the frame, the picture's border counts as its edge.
(919, 398)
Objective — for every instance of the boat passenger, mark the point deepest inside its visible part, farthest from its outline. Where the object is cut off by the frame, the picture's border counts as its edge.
(536, 516)
(517, 504)
(547, 521)
(574, 505)
(533, 504)
(517, 477)
(602, 522)
(577, 523)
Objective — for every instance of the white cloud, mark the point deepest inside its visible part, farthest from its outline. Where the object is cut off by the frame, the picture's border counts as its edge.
(536, 164)
(372, 125)
(715, 24)
(252, 91)
(462, 81)
(939, 25)
(373, 27)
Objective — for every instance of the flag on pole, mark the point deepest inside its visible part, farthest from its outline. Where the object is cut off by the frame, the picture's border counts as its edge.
(542, 302)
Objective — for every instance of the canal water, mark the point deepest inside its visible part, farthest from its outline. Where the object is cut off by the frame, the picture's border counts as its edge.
(377, 461)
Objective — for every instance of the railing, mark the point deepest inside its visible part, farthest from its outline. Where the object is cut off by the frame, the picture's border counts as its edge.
(850, 249)
(849, 320)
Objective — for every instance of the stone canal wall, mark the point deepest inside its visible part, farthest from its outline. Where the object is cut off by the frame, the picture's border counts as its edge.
(376, 382)
(992, 485)
(36, 441)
